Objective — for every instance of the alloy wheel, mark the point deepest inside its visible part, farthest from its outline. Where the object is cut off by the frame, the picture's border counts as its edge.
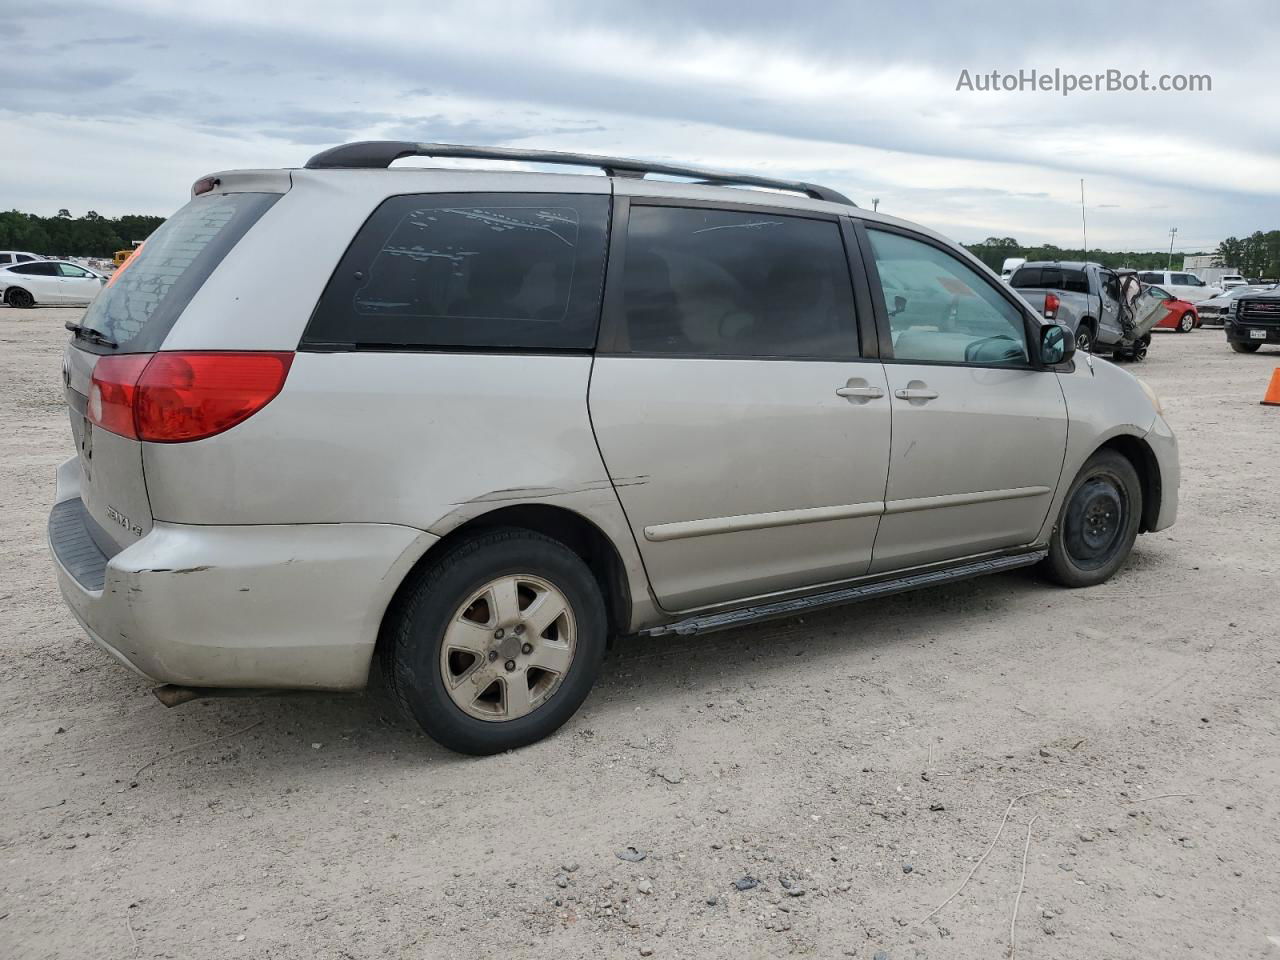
(508, 647)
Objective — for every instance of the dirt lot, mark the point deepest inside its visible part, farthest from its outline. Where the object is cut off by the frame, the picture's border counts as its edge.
(857, 763)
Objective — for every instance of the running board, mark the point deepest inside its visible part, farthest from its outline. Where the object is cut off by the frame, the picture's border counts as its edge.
(707, 622)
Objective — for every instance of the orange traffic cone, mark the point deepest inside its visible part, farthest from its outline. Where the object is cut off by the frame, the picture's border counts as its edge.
(1272, 396)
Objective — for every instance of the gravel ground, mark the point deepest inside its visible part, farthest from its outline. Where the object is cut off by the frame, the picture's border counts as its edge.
(856, 763)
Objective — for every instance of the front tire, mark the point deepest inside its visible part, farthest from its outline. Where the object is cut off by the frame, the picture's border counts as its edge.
(1186, 322)
(1244, 346)
(1098, 523)
(496, 643)
(20, 298)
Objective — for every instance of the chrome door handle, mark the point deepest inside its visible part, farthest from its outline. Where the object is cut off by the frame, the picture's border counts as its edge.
(860, 393)
(915, 393)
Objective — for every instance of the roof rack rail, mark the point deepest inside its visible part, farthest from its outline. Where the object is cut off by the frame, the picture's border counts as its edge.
(381, 153)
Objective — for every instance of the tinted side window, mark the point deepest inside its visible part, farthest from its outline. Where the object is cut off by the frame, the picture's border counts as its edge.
(941, 310)
(1151, 277)
(704, 282)
(37, 269)
(483, 271)
(1075, 281)
(5, 258)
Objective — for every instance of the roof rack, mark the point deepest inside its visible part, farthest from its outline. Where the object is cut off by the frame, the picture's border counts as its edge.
(381, 153)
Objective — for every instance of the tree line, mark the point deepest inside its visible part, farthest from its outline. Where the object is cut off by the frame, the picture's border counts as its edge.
(1257, 255)
(63, 235)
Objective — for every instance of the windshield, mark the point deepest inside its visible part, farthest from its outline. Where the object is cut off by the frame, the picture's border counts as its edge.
(141, 304)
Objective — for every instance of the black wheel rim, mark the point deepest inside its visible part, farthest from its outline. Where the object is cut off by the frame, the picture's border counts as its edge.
(1095, 521)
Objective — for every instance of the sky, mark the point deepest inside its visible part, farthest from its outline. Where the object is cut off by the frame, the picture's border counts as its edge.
(118, 107)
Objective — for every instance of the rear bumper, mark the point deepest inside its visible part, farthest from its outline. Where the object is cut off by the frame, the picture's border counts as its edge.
(267, 606)
(1164, 445)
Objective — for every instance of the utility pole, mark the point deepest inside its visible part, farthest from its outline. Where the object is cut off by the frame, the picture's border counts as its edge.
(875, 204)
(1173, 232)
(1084, 226)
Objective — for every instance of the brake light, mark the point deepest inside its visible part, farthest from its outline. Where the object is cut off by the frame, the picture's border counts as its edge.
(175, 397)
(1051, 303)
(112, 391)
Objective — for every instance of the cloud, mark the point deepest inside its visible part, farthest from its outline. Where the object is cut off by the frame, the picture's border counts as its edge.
(858, 93)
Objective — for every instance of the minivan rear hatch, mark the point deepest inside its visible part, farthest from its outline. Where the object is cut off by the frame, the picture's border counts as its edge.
(128, 321)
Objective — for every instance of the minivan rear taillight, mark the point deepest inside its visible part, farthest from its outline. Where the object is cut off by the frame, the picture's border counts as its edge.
(1051, 303)
(177, 396)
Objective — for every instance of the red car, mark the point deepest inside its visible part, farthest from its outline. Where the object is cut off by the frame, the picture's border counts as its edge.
(1180, 315)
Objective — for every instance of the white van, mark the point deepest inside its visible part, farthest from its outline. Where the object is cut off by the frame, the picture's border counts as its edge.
(1185, 286)
(1010, 265)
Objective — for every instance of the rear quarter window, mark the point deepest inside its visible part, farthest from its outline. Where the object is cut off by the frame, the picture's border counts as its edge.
(469, 271)
(142, 301)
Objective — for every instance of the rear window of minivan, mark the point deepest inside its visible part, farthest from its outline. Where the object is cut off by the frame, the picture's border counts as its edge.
(141, 303)
(469, 272)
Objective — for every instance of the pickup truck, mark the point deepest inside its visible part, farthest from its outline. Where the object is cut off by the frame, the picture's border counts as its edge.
(1085, 298)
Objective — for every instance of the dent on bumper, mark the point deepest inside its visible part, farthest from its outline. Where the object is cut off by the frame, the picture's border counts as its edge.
(1165, 446)
(250, 606)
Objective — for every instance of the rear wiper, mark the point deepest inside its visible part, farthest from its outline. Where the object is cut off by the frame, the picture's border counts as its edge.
(93, 336)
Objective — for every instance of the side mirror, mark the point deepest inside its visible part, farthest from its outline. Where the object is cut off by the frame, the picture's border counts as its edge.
(1057, 345)
(899, 304)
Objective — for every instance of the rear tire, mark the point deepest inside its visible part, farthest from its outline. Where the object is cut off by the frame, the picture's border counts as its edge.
(1244, 346)
(1098, 522)
(17, 297)
(465, 651)
(1186, 322)
(1085, 337)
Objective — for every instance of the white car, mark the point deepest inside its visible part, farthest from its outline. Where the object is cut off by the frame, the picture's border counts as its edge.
(49, 282)
(1183, 285)
(1231, 281)
(9, 257)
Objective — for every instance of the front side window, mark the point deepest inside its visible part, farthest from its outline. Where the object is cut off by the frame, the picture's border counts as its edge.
(941, 310)
(723, 283)
(71, 270)
(470, 271)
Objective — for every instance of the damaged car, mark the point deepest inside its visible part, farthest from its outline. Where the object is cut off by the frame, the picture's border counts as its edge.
(466, 426)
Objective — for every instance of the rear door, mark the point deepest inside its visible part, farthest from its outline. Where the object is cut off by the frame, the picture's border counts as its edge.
(41, 280)
(746, 436)
(979, 434)
(1108, 292)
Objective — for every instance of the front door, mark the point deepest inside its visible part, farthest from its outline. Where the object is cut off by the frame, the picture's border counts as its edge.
(747, 439)
(78, 284)
(979, 434)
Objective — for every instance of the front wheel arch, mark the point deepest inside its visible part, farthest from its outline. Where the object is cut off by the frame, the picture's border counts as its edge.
(1139, 453)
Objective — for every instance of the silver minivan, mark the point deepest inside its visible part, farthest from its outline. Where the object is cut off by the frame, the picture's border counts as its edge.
(479, 422)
